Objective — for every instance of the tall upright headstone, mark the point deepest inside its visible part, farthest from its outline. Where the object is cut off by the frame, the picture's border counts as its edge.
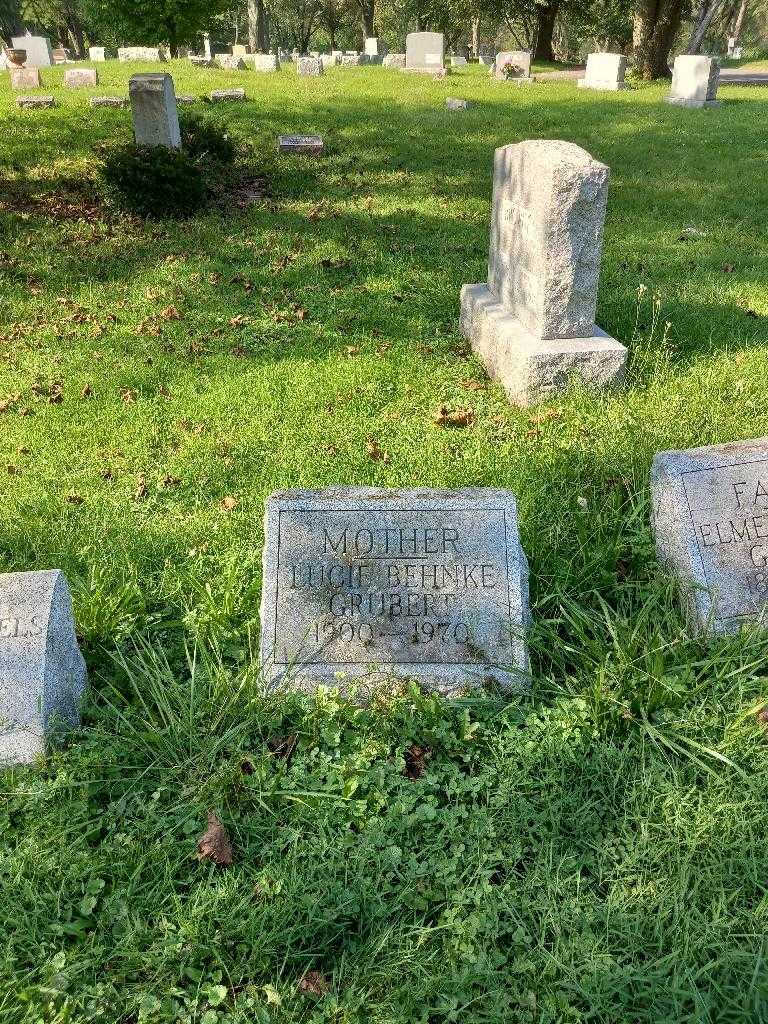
(372, 47)
(710, 511)
(533, 322)
(362, 584)
(153, 104)
(605, 71)
(39, 52)
(42, 672)
(207, 45)
(309, 66)
(425, 52)
(97, 53)
(694, 81)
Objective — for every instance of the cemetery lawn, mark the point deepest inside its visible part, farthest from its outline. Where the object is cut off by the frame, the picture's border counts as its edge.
(595, 851)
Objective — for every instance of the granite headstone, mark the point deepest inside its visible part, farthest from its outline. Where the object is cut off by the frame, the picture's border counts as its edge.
(425, 52)
(153, 103)
(694, 81)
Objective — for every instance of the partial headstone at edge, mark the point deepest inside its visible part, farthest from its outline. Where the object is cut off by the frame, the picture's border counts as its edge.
(710, 519)
(42, 672)
(532, 323)
(365, 586)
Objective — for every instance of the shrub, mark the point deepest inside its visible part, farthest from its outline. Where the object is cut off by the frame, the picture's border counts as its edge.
(204, 138)
(153, 181)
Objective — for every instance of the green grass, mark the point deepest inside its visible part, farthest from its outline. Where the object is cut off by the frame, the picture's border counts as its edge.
(595, 852)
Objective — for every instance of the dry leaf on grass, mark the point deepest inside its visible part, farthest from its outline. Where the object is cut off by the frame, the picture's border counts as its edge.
(87, 392)
(171, 313)
(229, 503)
(313, 984)
(376, 452)
(446, 417)
(141, 489)
(214, 844)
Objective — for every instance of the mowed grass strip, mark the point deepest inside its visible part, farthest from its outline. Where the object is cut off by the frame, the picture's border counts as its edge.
(592, 853)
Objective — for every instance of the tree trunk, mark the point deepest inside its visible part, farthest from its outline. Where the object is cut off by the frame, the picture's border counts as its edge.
(738, 23)
(367, 12)
(545, 27)
(78, 39)
(258, 30)
(475, 38)
(656, 24)
(702, 23)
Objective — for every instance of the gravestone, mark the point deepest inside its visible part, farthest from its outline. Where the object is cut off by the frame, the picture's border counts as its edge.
(42, 672)
(533, 323)
(394, 60)
(238, 50)
(81, 78)
(227, 95)
(353, 60)
(455, 104)
(25, 78)
(307, 145)
(328, 60)
(736, 53)
(32, 102)
(200, 62)
(230, 62)
(424, 51)
(487, 59)
(710, 512)
(39, 53)
(604, 71)
(338, 54)
(97, 54)
(110, 101)
(457, 61)
(371, 48)
(184, 100)
(207, 45)
(694, 81)
(362, 584)
(61, 55)
(309, 66)
(513, 66)
(153, 103)
(265, 61)
(148, 53)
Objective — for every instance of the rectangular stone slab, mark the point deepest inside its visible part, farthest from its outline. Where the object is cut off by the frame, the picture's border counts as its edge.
(529, 369)
(306, 145)
(424, 51)
(153, 103)
(694, 81)
(605, 71)
(548, 208)
(42, 672)
(364, 586)
(39, 53)
(710, 517)
(81, 78)
(25, 78)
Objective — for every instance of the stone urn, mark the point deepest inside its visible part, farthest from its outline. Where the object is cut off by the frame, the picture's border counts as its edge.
(15, 57)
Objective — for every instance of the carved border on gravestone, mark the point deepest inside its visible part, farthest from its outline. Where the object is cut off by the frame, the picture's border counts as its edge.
(338, 610)
(710, 520)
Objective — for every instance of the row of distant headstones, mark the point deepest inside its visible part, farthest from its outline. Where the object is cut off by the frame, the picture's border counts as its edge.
(365, 587)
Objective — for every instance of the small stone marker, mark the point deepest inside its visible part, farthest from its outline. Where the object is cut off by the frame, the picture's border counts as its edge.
(533, 323)
(97, 54)
(487, 59)
(39, 52)
(307, 145)
(200, 62)
(25, 78)
(230, 62)
(604, 71)
(424, 51)
(457, 61)
(455, 104)
(155, 118)
(710, 510)
(185, 100)
(42, 672)
(110, 101)
(694, 81)
(394, 60)
(32, 102)
(353, 60)
(309, 66)
(362, 584)
(81, 78)
(148, 53)
(513, 66)
(238, 50)
(227, 95)
(61, 56)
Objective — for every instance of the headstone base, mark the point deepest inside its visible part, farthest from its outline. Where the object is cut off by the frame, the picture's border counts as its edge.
(27, 102)
(582, 83)
(109, 101)
(225, 95)
(530, 369)
(677, 102)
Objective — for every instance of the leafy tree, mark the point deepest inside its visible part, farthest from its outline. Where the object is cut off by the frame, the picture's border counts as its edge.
(175, 22)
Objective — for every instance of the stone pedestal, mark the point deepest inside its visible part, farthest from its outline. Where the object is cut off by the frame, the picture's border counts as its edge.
(42, 672)
(155, 118)
(97, 54)
(533, 323)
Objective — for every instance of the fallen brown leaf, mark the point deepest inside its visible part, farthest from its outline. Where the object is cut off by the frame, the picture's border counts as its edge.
(446, 417)
(376, 452)
(128, 395)
(87, 392)
(474, 385)
(214, 843)
(313, 984)
(170, 481)
(170, 313)
(74, 499)
(141, 489)
(229, 503)
(282, 746)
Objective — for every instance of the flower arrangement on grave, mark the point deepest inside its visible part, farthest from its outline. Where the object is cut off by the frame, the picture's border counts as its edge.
(511, 70)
